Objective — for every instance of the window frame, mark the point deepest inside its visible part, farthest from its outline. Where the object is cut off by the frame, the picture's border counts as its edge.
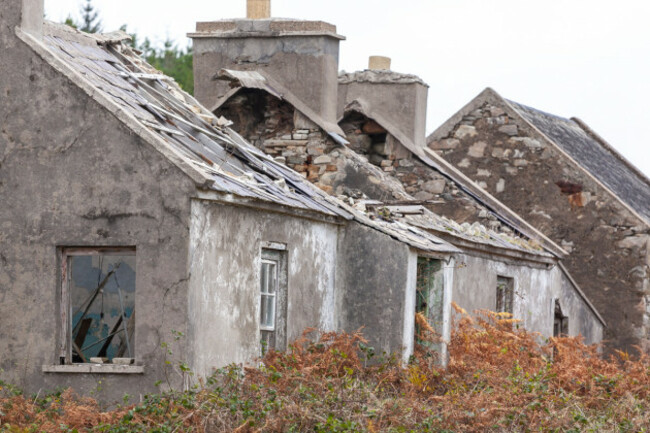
(64, 351)
(274, 338)
(507, 298)
(273, 295)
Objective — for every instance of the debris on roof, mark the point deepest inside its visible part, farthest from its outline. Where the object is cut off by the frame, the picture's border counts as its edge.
(201, 140)
(258, 80)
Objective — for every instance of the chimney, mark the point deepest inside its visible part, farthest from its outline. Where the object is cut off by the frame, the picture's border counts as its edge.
(379, 63)
(26, 14)
(32, 16)
(399, 98)
(258, 9)
(301, 55)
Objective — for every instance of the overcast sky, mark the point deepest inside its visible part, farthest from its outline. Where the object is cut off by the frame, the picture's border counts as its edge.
(584, 58)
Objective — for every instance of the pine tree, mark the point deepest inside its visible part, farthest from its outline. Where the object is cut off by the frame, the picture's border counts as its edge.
(90, 19)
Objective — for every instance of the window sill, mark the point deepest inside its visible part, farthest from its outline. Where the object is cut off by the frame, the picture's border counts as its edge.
(94, 369)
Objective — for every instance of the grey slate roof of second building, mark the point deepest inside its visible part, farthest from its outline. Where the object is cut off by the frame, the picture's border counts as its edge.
(593, 154)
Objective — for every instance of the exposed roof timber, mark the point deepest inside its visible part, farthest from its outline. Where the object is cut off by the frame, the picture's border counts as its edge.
(216, 158)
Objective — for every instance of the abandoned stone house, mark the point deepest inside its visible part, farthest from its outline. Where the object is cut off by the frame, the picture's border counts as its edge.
(139, 197)
(245, 72)
(572, 186)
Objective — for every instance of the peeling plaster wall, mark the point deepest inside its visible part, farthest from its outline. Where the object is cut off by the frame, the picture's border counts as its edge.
(608, 245)
(535, 291)
(225, 260)
(72, 175)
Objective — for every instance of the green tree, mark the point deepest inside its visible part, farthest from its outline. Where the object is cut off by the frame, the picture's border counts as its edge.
(171, 60)
(90, 22)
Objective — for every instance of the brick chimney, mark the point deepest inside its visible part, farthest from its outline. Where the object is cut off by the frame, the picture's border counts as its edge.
(302, 55)
(26, 14)
(399, 98)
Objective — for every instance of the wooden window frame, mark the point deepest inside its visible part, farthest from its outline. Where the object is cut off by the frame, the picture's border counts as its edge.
(64, 350)
(505, 295)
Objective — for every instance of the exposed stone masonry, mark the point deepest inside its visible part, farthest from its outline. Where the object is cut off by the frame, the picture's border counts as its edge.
(609, 257)
(394, 173)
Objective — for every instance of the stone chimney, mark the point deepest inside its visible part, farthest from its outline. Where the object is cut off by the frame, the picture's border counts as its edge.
(302, 55)
(26, 14)
(399, 98)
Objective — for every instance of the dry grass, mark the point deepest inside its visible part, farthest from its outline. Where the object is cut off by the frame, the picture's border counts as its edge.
(498, 379)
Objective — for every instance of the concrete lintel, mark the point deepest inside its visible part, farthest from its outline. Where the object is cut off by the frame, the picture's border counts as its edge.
(93, 369)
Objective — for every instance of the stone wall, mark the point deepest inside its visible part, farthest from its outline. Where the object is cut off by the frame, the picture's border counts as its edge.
(608, 244)
(374, 165)
(282, 132)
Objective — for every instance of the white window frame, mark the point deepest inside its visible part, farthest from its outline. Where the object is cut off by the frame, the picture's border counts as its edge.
(267, 294)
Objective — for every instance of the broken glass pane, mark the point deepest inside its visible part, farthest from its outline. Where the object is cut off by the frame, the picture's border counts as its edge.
(102, 306)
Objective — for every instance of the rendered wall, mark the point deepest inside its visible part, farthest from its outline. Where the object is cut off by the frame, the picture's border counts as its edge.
(535, 291)
(379, 276)
(224, 296)
(72, 175)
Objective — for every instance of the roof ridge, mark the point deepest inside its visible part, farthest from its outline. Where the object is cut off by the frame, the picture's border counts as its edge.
(610, 149)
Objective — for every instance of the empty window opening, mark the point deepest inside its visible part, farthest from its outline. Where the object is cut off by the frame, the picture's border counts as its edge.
(505, 295)
(560, 321)
(98, 305)
(273, 300)
(428, 301)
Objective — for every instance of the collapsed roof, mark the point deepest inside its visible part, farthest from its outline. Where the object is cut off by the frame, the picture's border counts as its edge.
(188, 134)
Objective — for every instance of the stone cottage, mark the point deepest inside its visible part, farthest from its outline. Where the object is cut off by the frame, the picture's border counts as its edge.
(370, 161)
(572, 186)
(120, 193)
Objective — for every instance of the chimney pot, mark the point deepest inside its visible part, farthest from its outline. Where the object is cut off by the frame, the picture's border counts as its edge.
(258, 9)
(379, 62)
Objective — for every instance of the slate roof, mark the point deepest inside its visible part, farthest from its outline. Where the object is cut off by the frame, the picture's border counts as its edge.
(593, 154)
(190, 135)
(421, 217)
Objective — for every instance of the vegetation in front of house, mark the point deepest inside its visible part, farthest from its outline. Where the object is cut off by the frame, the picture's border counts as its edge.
(498, 379)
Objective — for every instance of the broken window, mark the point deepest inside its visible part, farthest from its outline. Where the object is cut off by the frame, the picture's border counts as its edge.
(428, 300)
(97, 305)
(505, 294)
(273, 300)
(560, 321)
